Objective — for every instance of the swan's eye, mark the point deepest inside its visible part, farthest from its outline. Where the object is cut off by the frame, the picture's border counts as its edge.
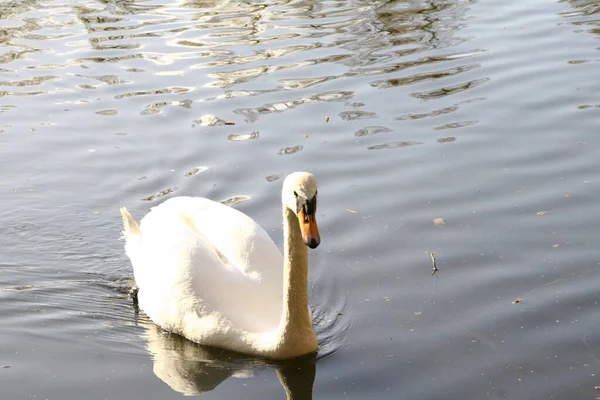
(295, 194)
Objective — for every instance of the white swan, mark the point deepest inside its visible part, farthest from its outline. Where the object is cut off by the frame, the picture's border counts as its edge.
(211, 274)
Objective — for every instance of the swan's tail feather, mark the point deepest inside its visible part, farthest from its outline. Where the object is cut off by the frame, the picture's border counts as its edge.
(130, 227)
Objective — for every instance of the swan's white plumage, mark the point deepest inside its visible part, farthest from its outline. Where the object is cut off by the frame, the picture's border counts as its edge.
(212, 274)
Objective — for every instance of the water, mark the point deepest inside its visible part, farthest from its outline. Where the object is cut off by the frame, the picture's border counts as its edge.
(463, 128)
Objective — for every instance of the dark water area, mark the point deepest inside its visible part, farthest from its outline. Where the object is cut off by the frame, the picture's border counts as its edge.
(467, 129)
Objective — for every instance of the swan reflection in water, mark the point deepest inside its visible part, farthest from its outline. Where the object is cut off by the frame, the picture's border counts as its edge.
(193, 369)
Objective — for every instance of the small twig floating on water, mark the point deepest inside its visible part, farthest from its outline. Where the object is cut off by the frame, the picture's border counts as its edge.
(435, 268)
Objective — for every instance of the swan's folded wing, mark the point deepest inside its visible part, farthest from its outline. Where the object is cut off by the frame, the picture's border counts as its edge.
(236, 237)
(219, 256)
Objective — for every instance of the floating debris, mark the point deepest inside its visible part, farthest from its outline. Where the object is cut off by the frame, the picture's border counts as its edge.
(350, 211)
(542, 213)
(439, 221)
(435, 268)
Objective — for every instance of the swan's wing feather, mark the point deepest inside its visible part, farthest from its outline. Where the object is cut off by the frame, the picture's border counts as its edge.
(203, 257)
(234, 235)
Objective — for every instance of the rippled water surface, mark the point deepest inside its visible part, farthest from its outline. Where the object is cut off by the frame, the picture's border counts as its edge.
(467, 129)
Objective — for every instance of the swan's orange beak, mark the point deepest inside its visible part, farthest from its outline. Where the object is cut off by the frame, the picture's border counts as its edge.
(309, 228)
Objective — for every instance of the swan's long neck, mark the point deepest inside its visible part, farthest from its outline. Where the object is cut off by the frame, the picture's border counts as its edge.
(295, 327)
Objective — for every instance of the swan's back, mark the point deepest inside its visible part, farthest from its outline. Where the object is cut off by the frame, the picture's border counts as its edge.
(199, 262)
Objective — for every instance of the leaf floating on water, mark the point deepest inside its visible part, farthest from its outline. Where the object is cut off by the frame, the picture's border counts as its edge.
(306, 136)
(235, 200)
(517, 301)
(19, 288)
(326, 119)
(195, 171)
(350, 211)
(439, 221)
(418, 312)
(555, 245)
(248, 136)
(5, 366)
(290, 150)
(542, 213)
(160, 194)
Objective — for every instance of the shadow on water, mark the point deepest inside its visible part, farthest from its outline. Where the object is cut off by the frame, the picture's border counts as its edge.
(192, 369)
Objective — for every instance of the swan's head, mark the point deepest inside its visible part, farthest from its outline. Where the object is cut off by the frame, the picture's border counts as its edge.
(300, 195)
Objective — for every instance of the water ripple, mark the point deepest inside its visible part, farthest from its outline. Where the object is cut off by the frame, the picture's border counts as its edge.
(213, 97)
(394, 145)
(449, 90)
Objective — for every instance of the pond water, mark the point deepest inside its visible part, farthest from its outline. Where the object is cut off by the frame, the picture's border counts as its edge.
(467, 129)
